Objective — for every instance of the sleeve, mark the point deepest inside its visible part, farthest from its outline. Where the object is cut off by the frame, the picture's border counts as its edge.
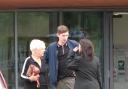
(24, 70)
(72, 61)
(74, 43)
(46, 74)
(46, 55)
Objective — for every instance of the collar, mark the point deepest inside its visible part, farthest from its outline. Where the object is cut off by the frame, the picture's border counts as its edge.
(66, 44)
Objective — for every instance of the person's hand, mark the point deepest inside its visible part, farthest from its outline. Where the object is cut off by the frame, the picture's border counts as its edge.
(76, 49)
(34, 77)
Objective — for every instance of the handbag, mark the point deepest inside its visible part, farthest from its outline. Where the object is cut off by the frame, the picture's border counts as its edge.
(34, 70)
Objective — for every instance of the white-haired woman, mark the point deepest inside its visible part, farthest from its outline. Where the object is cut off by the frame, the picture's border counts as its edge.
(34, 71)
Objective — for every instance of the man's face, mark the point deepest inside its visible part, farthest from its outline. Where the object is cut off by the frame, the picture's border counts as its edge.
(63, 37)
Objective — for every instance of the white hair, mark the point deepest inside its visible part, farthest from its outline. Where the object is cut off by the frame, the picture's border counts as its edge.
(37, 44)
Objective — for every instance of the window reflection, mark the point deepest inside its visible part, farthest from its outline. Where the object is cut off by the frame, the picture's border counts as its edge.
(31, 25)
(86, 24)
(7, 48)
(42, 25)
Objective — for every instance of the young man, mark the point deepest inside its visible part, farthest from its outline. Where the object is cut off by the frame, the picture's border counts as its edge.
(56, 55)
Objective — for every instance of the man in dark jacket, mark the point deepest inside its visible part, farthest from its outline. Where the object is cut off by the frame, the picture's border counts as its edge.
(56, 55)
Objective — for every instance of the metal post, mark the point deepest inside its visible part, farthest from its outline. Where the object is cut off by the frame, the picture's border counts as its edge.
(16, 51)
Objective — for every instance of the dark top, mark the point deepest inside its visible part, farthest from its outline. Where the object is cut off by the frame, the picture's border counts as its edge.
(43, 74)
(88, 74)
(62, 58)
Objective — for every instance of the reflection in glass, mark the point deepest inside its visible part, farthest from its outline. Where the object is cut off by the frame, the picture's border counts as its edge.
(85, 24)
(7, 48)
(42, 25)
(31, 25)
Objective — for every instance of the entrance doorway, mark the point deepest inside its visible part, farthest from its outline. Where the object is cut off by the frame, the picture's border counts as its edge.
(120, 49)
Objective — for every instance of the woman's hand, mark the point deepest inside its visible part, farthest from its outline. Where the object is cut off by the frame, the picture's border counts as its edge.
(76, 49)
(34, 77)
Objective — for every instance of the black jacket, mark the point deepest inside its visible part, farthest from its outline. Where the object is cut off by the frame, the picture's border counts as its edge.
(88, 74)
(43, 74)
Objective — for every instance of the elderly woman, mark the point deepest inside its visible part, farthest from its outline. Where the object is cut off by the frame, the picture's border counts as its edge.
(86, 66)
(34, 71)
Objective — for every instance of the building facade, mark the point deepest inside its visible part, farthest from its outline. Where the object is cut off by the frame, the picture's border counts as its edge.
(104, 22)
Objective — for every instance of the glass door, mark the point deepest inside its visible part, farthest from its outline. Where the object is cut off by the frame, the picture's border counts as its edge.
(120, 50)
(42, 25)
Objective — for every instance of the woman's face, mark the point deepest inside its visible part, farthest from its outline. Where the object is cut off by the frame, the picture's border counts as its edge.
(40, 52)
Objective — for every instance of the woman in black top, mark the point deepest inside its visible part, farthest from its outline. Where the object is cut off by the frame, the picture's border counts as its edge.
(34, 71)
(86, 65)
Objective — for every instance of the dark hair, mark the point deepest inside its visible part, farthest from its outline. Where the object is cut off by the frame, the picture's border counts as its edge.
(87, 48)
(62, 29)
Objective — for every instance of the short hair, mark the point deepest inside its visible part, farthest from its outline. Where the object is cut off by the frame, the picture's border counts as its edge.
(37, 44)
(62, 29)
